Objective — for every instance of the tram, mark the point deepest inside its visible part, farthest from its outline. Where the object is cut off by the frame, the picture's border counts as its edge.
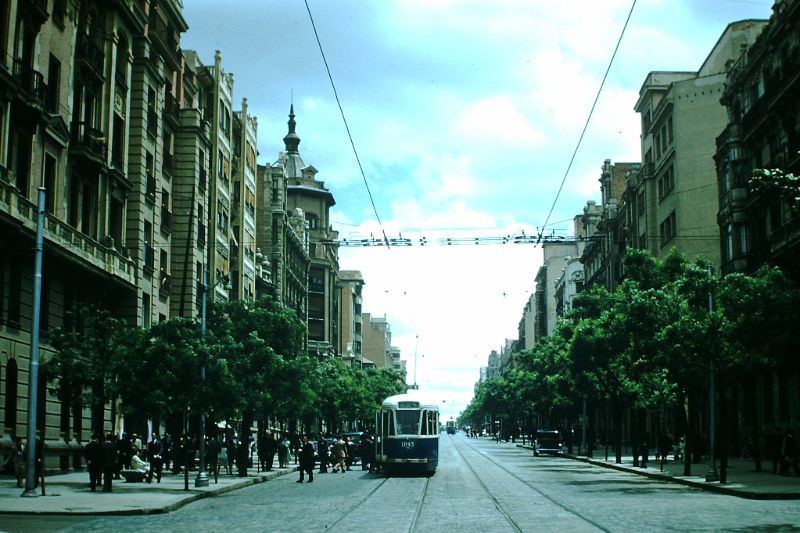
(407, 428)
(451, 427)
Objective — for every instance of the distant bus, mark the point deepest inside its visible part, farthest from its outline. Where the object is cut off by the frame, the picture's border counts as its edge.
(451, 427)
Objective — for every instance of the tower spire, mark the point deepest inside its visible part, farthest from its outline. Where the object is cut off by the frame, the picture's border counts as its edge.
(292, 141)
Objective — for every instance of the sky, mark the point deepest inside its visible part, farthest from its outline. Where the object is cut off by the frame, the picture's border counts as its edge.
(464, 115)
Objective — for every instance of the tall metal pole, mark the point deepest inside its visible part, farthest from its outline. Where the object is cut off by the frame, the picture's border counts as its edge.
(202, 476)
(33, 367)
(712, 474)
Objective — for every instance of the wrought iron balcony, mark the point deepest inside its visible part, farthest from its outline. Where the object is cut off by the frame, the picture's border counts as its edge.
(31, 81)
(165, 283)
(171, 108)
(89, 140)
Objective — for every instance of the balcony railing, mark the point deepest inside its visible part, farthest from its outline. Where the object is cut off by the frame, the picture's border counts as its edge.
(31, 81)
(171, 107)
(68, 240)
(89, 138)
(89, 55)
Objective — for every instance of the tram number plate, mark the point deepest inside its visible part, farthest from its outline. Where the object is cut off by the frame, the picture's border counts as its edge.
(407, 444)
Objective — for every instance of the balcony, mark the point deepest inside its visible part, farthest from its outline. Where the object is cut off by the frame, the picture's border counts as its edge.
(31, 82)
(165, 38)
(63, 239)
(150, 192)
(171, 109)
(88, 142)
(89, 59)
(36, 10)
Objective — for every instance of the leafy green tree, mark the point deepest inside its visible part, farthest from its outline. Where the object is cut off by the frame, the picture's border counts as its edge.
(83, 364)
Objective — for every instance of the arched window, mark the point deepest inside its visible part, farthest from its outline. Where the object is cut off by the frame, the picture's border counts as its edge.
(10, 422)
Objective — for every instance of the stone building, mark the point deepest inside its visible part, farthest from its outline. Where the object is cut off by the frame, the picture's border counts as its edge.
(763, 131)
(672, 201)
(351, 284)
(605, 248)
(132, 140)
(305, 192)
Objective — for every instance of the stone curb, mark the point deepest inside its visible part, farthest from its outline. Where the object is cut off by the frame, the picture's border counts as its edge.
(190, 498)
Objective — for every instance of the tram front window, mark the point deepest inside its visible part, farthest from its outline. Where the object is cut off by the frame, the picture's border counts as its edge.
(408, 422)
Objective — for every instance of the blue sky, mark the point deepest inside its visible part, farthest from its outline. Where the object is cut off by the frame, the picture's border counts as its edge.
(465, 114)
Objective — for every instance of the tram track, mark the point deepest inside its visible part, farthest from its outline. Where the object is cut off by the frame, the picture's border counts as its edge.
(566, 507)
(497, 505)
(356, 505)
(420, 501)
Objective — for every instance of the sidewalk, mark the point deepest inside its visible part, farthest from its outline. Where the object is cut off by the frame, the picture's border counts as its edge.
(69, 494)
(743, 480)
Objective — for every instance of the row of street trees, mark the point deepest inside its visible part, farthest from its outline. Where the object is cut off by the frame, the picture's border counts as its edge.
(652, 345)
(254, 362)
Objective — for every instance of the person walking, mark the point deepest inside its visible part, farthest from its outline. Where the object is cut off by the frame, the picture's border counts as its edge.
(322, 447)
(155, 456)
(213, 449)
(18, 463)
(339, 456)
(271, 446)
(789, 459)
(108, 459)
(283, 453)
(306, 459)
(94, 455)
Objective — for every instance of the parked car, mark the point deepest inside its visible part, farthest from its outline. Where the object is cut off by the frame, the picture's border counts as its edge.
(548, 441)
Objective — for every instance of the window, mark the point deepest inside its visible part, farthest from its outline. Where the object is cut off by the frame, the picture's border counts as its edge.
(14, 293)
(222, 217)
(49, 182)
(667, 229)
(640, 202)
(53, 85)
(146, 320)
(408, 422)
(666, 183)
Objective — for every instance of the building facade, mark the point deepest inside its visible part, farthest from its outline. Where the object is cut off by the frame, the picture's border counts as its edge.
(672, 201)
(351, 339)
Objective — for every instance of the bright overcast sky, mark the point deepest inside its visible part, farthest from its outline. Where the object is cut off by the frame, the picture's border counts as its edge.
(465, 114)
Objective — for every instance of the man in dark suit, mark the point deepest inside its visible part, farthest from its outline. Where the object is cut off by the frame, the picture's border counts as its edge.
(306, 460)
(155, 455)
(94, 457)
(108, 459)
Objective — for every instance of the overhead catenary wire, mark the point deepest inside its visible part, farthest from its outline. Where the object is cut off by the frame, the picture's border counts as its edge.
(588, 119)
(344, 120)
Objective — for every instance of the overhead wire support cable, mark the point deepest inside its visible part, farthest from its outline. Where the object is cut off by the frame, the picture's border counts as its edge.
(346, 126)
(588, 119)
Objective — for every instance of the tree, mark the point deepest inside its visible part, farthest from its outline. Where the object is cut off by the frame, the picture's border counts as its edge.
(85, 359)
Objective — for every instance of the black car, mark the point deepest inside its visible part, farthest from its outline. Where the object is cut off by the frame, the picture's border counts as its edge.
(548, 441)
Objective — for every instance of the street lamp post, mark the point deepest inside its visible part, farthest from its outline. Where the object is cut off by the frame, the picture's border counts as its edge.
(202, 476)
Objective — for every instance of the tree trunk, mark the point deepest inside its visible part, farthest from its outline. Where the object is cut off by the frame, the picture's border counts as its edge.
(243, 450)
(617, 414)
(723, 442)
